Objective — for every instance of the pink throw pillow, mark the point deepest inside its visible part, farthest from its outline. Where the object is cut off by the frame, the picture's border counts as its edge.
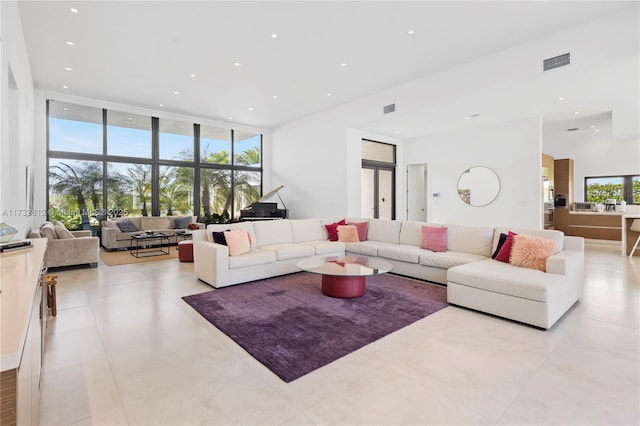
(434, 238)
(532, 252)
(362, 228)
(238, 241)
(332, 229)
(348, 234)
(504, 255)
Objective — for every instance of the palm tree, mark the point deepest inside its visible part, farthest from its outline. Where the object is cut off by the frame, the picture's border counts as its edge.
(249, 157)
(139, 177)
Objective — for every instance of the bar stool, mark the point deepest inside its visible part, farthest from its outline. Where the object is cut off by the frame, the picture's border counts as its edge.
(51, 281)
(635, 226)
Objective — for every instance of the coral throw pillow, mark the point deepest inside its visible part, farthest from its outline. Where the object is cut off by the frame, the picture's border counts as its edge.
(332, 229)
(532, 252)
(348, 234)
(238, 241)
(434, 238)
(362, 229)
(504, 255)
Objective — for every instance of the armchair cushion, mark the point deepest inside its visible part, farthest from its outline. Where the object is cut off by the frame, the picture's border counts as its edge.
(61, 231)
(48, 230)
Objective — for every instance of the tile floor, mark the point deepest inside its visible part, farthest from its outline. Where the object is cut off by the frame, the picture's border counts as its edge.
(125, 349)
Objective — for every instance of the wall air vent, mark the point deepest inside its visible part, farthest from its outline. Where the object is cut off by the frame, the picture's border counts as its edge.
(556, 62)
(389, 108)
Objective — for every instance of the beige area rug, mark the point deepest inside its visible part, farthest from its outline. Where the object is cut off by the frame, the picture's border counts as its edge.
(124, 257)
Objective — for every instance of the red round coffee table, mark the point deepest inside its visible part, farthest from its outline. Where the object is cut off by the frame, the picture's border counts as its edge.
(344, 276)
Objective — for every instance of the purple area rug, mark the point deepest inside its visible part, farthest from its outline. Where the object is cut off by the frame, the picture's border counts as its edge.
(288, 325)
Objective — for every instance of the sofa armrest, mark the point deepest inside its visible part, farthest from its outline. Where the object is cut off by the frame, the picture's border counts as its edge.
(569, 263)
(211, 262)
(78, 234)
(109, 237)
(199, 235)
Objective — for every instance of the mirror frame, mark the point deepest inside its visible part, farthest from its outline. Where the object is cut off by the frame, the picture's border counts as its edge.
(464, 194)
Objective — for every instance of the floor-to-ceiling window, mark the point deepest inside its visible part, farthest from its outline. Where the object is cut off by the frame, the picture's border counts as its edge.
(105, 163)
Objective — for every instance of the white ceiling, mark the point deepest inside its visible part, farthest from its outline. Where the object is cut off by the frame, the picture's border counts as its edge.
(140, 53)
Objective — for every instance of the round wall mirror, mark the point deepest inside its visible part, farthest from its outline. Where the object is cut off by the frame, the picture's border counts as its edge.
(478, 186)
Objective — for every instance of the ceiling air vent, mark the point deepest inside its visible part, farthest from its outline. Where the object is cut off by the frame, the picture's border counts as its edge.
(573, 129)
(556, 62)
(389, 108)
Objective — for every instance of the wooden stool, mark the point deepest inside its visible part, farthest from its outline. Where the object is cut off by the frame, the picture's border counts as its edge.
(51, 281)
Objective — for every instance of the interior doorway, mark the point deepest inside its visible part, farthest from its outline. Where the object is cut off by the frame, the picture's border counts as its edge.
(417, 193)
(378, 180)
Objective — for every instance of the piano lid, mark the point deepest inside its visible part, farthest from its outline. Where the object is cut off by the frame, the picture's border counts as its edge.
(270, 194)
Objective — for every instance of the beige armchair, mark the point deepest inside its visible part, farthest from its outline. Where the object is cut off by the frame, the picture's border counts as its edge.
(79, 250)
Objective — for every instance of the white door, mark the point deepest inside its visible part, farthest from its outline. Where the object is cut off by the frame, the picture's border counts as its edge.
(417, 199)
(368, 193)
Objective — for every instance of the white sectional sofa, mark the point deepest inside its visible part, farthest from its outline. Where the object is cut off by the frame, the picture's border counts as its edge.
(474, 280)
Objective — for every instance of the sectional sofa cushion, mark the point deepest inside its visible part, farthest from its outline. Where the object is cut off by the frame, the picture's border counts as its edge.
(273, 232)
(499, 277)
(403, 252)
(411, 232)
(306, 230)
(253, 258)
(150, 223)
(368, 248)
(248, 226)
(287, 251)
(470, 239)
(554, 235)
(325, 247)
(448, 259)
(386, 231)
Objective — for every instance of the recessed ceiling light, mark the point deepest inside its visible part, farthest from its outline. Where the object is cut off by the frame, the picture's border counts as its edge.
(275, 96)
(175, 92)
(592, 126)
(466, 118)
(274, 35)
(411, 32)
(343, 65)
(237, 64)
(70, 43)
(230, 118)
(596, 130)
(161, 105)
(68, 68)
(250, 108)
(328, 94)
(397, 132)
(577, 112)
(129, 118)
(65, 87)
(561, 98)
(66, 109)
(74, 10)
(192, 75)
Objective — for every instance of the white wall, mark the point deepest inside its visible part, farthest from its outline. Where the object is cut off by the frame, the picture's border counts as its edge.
(318, 160)
(512, 150)
(594, 154)
(16, 121)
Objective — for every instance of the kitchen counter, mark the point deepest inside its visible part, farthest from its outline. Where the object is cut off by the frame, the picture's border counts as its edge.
(589, 224)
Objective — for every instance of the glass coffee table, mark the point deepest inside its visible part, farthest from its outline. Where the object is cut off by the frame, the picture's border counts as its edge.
(344, 276)
(149, 244)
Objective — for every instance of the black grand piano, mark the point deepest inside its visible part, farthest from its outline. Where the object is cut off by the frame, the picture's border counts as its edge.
(261, 210)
